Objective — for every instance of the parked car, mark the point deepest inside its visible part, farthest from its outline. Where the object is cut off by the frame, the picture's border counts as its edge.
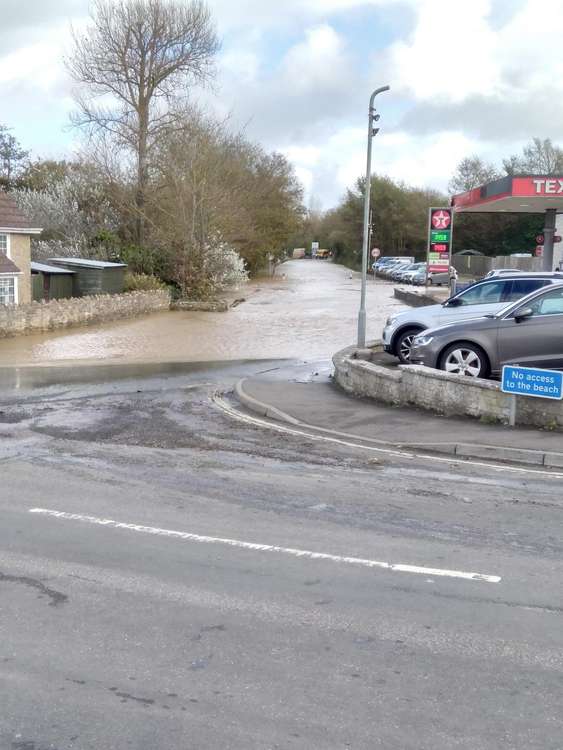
(391, 262)
(380, 263)
(528, 333)
(442, 278)
(391, 268)
(418, 278)
(397, 270)
(485, 297)
(387, 268)
(404, 275)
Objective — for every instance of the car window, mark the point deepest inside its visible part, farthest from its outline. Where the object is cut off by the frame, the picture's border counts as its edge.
(549, 304)
(522, 287)
(483, 294)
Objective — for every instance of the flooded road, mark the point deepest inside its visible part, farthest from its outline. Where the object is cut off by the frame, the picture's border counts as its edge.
(309, 310)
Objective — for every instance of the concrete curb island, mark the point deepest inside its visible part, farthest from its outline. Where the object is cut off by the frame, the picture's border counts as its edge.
(438, 391)
(546, 459)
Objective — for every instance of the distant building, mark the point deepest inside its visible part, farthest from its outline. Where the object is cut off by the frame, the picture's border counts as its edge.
(15, 253)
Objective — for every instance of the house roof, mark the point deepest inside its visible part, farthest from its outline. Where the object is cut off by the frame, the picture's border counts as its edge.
(86, 263)
(44, 268)
(7, 265)
(12, 220)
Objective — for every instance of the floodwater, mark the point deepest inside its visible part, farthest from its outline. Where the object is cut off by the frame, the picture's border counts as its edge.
(308, 311)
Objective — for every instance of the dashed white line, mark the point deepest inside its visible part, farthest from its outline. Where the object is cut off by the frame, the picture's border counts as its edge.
(301, 553)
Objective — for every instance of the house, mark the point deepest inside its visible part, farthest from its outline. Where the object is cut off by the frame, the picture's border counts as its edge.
(15, 253)
(93, 276)
(50, 282)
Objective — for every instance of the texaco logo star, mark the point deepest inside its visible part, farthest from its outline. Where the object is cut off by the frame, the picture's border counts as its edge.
(440, 220)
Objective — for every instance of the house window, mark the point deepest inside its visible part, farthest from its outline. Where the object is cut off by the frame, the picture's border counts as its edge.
(4, 244)
(7, 290)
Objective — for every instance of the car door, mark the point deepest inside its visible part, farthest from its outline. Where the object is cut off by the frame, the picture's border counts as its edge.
(536, 341)
(476, 301)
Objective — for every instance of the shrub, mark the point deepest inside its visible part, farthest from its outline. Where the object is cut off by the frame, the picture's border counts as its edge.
(142, 282)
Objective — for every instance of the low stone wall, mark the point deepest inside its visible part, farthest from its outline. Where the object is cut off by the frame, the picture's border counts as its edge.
(441, 392)
(36, 317)
(416, 299)
(217, 305)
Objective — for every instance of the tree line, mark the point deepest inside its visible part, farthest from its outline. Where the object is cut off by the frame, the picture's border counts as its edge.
(158, 183)
(400, 211)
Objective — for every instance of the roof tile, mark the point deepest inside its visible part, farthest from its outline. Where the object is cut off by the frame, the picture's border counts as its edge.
(10, 215)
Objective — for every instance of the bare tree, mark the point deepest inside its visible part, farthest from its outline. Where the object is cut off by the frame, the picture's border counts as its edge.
(472, 172)
(538, 157)
(135, 65)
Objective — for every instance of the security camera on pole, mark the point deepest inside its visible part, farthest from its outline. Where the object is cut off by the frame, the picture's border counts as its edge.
(372, 131)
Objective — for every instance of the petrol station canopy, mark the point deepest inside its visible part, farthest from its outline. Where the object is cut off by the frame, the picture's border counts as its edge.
(532, 194)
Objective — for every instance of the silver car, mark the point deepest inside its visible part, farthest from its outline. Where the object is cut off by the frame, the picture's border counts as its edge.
(405, 277)
(528, 333)
(482, 298)
(441, 278)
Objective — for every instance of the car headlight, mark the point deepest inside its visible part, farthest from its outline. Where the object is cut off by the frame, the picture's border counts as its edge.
(390, 320)
(422, 340)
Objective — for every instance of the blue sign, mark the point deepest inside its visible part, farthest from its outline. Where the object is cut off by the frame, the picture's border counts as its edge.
(528, 381)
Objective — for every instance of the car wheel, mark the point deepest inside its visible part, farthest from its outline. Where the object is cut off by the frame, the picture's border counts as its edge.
(465, 359)
(404, 343)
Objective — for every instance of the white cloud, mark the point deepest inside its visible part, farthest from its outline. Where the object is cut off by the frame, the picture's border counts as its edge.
(478, 76)
(31, 64)
(450, 54)
(316, 62)
(292, 13)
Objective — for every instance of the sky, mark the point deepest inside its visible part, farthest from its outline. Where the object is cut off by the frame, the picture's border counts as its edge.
(466, 76)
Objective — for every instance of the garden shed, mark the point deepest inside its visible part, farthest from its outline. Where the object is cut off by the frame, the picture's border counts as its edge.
(51, 282)
(93, 276)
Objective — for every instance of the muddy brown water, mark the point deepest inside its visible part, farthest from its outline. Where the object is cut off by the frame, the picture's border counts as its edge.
(308, 311)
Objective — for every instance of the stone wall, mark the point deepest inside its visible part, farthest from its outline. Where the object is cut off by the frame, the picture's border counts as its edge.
(37, 317)
(441, 392)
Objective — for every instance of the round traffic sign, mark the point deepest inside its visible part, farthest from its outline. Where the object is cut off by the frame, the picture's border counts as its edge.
(376, 252)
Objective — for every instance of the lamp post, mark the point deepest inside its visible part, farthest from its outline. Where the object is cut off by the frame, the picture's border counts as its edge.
(372, 118)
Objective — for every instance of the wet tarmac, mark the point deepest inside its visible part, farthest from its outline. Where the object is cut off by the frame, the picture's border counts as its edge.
(308, 311)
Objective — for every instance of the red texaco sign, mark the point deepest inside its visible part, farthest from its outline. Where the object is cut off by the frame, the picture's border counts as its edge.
(441, 218)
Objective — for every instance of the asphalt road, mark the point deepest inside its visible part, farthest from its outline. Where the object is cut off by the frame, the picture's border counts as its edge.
(170, 597)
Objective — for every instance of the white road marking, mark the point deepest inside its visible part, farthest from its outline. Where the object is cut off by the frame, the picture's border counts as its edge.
(186, 536)
(221, 404)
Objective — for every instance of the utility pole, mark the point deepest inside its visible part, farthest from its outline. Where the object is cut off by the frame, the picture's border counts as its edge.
(373, 117)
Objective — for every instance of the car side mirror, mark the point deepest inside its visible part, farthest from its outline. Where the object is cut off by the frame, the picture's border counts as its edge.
(453, 302)
(523, 314)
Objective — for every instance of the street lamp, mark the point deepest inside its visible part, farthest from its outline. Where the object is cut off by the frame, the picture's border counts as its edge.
(372, 131)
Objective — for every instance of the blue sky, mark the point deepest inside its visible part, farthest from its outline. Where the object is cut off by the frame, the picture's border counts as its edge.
(466, 77)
